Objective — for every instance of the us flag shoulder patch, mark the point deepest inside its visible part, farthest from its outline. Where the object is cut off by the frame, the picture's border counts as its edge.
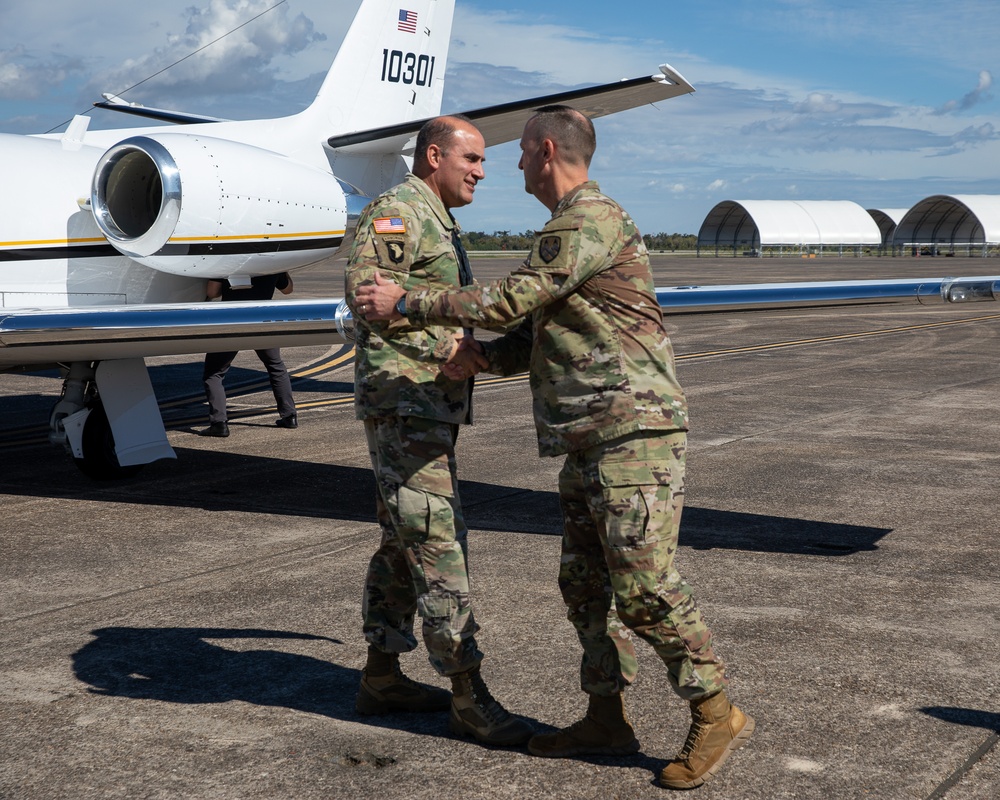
(389, 225)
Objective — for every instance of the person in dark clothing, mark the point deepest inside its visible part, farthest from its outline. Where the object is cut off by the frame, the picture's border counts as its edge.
(217, 364)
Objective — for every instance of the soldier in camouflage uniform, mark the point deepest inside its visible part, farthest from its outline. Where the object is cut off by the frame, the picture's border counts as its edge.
(605, 395)
(411, 411)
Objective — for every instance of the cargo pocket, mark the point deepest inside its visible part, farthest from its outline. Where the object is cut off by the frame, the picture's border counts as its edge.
(412, 512)
(436, 608)
(638, 508)
(425, 517)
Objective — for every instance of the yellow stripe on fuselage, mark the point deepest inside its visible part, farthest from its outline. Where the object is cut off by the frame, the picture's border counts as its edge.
(257, 237)
(39, 242)
(250, 237)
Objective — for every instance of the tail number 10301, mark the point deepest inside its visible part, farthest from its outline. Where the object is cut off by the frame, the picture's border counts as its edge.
(400, 67)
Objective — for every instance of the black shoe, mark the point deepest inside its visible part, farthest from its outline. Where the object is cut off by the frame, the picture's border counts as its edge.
(216, 429)
(291, 421)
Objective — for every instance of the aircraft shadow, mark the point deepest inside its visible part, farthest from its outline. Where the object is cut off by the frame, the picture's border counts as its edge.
(332, 491)
(988, 720)
(494, 507)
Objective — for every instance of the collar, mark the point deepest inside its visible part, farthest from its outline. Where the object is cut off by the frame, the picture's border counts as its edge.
(573, 194)
(433, 201)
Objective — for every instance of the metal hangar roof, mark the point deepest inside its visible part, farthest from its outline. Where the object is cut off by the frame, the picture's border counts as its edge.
(763, 223)
(951, 219)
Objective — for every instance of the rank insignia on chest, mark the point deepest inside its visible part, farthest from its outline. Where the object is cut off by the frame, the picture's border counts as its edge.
(549, 247)
(389, 225)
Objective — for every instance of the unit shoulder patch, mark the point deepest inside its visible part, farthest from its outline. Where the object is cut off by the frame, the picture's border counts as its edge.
(549, 248)
(396, 251)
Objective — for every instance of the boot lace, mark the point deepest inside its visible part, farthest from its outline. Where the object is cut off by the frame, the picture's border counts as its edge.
(698, 731)
(581, 724)
(491, 709)
(397, 673)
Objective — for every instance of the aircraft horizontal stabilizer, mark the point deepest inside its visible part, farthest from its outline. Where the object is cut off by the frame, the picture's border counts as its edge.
(504, 123)
(161, 114)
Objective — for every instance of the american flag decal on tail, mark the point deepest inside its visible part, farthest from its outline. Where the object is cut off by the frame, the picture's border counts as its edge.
(407, 21)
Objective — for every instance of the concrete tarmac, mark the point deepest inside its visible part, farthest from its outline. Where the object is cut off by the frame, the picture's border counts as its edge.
(194, 632)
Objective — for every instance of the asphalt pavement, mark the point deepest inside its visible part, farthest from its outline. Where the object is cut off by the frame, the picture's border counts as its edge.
(194, 632)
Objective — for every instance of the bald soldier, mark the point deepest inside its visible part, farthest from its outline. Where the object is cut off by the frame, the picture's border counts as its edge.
(605, 396)
(411, 412)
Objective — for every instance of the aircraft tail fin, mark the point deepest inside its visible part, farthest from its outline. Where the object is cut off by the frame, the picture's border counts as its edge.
(389, 69)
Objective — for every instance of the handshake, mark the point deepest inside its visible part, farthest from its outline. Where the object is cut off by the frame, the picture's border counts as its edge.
(466, 358)
(377, 301)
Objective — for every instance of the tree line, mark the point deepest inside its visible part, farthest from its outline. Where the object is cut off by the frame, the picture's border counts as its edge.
(507, 240)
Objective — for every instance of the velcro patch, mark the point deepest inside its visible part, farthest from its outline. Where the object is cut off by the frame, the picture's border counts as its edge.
(549, 247)
(389, 225)
(396, 250)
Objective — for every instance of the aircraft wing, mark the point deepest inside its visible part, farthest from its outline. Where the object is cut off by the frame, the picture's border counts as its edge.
(504, 123)
(758, 296)
(47, 336)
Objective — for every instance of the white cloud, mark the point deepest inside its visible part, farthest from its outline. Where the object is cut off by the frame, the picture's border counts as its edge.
(978, 95)
(229, 58)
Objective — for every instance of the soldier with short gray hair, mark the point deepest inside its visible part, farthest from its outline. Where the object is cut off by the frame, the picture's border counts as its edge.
(606, 397)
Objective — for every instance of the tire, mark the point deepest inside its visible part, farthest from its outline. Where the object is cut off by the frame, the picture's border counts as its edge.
(100, 461)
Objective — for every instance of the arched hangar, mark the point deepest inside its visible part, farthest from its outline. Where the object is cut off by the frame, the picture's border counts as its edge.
(950, 224)
(887, 219)
(749, 226)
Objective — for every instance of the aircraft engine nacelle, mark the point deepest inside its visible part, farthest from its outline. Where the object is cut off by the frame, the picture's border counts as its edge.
(202, 207)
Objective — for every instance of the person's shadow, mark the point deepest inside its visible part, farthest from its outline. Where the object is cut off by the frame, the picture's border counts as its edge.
(185, 665)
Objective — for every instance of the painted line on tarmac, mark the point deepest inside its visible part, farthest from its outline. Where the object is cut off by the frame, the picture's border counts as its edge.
(834, 338)
(952, 780)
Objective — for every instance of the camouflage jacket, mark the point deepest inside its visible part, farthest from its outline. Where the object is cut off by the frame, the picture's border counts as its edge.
(601, 363)
(409, 236)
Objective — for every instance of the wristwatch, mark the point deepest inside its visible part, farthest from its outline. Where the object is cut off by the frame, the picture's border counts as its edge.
(401, 305)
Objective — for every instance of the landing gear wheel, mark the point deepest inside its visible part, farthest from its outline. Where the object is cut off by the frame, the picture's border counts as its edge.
(100, 461)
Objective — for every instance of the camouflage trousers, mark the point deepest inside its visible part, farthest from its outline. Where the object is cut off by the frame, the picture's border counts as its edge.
(421, 563)
(622, 503)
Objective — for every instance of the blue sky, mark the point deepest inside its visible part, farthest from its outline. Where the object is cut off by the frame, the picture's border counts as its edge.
(881, 102)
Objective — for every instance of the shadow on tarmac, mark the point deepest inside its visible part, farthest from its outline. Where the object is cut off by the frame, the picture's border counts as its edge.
(185, 665)
(988, 720)
(332, 491)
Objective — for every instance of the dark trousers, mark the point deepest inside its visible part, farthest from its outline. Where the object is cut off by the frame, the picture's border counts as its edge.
(216, 367)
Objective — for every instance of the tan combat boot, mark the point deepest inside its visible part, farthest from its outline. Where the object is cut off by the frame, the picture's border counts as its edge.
(475, 713)
(717, 728)
(605, 731)
(384, 688)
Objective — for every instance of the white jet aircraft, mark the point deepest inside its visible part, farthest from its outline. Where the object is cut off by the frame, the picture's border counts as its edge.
(107, 237)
